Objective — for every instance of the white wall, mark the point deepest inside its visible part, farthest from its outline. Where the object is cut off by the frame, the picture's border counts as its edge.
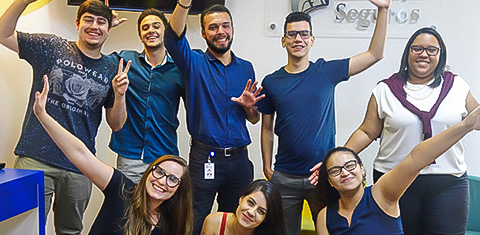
(454, 20)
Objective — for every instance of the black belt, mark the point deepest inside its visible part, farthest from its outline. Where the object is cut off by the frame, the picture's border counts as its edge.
(225, 151)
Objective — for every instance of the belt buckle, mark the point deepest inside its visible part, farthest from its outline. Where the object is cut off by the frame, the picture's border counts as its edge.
(227, 152)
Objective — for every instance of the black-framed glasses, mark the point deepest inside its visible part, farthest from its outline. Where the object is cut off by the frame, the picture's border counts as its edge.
(158, 173)
(431, 50)
(337, 170)
(304, 34)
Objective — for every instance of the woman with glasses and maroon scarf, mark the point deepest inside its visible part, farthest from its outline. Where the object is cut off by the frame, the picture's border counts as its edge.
(161, 203)
(414, 104)
(352, 208)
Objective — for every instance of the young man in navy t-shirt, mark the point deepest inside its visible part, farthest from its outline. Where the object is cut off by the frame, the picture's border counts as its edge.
(301, 94)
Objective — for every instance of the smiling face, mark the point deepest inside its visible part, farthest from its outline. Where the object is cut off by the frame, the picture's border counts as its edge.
(346, 180)
(218, 32)
(298, 47)
(421, 67)
(157, 189)
(92, 30)
(252, 210)
(151, 32)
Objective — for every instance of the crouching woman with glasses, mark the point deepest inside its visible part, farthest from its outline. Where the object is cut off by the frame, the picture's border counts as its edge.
(161, 203)
(352, 208)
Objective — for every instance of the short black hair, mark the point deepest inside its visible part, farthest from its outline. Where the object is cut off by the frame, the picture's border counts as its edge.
(213, 9)
(97, 8)
(151, 11)
(298, 16)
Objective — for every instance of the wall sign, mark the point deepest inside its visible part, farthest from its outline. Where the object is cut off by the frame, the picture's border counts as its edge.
(347, 18)
(308, 5)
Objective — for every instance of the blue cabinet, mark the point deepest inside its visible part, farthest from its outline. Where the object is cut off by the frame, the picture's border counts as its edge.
(22, 191)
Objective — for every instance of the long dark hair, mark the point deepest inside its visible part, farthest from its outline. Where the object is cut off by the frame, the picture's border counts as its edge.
(176, 213)
(403, 71)
(326, 193)
(274, 222)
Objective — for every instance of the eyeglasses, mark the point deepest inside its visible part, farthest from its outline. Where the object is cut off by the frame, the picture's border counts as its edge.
(304, 34)
(337, 170)
(431, 50)
(158, 173)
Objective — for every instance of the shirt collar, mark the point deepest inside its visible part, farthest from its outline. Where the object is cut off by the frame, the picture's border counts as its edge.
(166, 60)
(211, 57)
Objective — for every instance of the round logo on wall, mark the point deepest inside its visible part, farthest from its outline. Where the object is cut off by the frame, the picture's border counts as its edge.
(31, 8)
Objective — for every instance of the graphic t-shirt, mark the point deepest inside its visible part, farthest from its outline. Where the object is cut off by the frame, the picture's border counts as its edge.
(79, 87)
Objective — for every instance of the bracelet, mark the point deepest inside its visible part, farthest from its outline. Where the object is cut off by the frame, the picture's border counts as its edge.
(183, 6)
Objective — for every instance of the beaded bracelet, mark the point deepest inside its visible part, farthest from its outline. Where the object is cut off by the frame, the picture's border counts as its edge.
(183, 6)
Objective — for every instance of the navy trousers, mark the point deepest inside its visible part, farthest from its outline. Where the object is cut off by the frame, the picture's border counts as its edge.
(232, 175)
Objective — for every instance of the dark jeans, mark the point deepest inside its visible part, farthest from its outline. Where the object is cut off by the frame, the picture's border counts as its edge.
(232, 176)
(434, 204)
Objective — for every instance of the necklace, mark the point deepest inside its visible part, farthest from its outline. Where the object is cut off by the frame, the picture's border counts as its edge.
(420, 98)
(412, 89)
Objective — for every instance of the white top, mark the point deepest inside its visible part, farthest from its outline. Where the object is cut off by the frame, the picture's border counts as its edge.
(402, 130)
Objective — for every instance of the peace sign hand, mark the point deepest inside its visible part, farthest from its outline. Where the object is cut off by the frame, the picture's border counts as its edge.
(120, 81)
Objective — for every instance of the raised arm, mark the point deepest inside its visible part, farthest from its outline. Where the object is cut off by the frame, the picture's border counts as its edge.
(8, 23)
(266, 137)
(369, 130)
(248, 99)
(179, 16)
(391, 186)
(75, 150)
(374, 53)
(117, 115)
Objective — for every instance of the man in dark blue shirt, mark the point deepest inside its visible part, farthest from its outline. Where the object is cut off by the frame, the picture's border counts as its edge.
(215, 117)
(153, 98)
(301, 94)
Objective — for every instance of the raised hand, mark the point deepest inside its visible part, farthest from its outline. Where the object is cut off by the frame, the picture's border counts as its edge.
(249, 96)
(381, 3)
(41, 98)
(120, 81)
(116, 20)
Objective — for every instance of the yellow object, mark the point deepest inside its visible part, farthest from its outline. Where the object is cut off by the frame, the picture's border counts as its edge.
(308, 226)
(31, 8)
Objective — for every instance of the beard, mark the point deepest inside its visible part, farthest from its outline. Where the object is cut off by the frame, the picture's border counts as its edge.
(219, 50)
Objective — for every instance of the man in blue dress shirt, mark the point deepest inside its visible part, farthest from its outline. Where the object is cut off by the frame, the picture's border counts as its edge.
(153, 99)
(215, 117)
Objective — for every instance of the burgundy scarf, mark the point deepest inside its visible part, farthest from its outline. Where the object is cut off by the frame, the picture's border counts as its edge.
(395, 83)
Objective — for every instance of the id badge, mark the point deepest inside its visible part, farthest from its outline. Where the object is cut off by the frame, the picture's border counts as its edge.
(209, 171)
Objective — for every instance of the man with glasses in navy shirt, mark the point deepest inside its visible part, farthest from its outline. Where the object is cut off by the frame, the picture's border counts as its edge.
(301, 93)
